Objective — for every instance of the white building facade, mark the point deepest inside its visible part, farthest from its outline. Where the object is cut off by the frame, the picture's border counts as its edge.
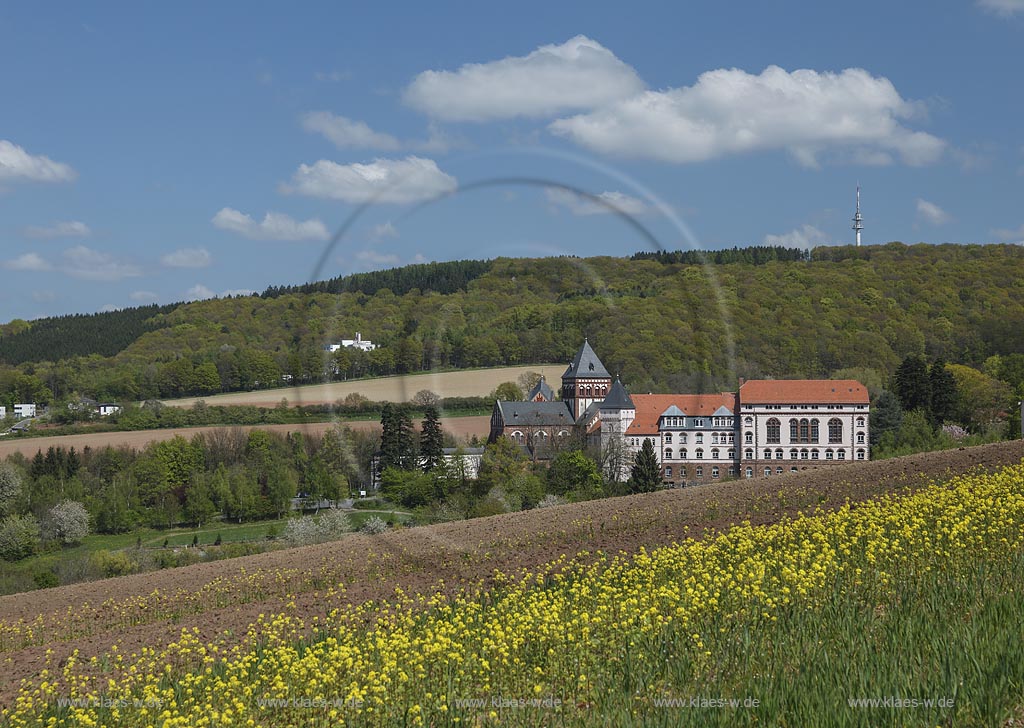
(790, 424)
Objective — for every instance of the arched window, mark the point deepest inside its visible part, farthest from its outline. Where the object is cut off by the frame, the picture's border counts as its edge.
(668, 471)
(749, 454)
(518, 436)
(748, 438)
(682, 453)
(805, 430)
(860, 454)
(841, 455)
(793, 469)
(767, 454)
(814, 430)
(793, 454)
(749, 472)
(860, 438)
(860, 422)
(682, 438)
(714, 454)
(778, 454)
(732, 455)
(835, 430)
(541, 435)
(668, 453)
(563, 433)
(803, 454)
(767, 472)
(778, 471)
(773, 430)
(700, 471)
(700, 438)
(714, 438)
(668, 438)
(700, 453)
(829, 455)
(814, 454)
(794, 431)
(714, 472)
(748, 420)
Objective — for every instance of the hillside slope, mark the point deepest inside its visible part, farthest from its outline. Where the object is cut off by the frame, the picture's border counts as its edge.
(221, 599)
(664, 325)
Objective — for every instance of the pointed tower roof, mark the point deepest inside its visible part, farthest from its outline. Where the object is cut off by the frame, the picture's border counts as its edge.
(542, 388)
(586, 365)
(618, 398)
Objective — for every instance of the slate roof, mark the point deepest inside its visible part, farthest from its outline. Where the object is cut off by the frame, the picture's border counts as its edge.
(586, 365)
(541, 388)
(618, 398)
(535, 414)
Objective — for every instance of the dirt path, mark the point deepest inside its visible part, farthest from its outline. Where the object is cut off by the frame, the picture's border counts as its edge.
(466, 552)
(459, 426)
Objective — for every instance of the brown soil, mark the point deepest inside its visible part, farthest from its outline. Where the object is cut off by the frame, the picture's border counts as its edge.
(466, 552)
(468, 383)
(458, 426)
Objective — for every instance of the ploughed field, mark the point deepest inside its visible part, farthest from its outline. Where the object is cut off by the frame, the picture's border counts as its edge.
(28, 446)
(463, 383)
(60, 630)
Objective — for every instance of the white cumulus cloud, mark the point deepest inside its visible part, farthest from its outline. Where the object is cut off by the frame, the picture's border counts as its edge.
(578, 74)
(347, 133)
(199, 292)
(27, 262)
(16, 163)
(384, 230)
(1004, 8)
(68, 229)
(143, 296)
(605, 202)
(93, 265)
(1010, 234)
(729, 111)
(932, 213)
(275, 226)
(187, 258)
(805, 237)
(412, 179)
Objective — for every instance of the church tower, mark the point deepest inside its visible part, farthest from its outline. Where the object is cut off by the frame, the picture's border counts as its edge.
(585, 381)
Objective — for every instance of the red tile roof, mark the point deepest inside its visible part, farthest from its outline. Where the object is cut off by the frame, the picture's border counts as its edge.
(650, 406)
(803, 391)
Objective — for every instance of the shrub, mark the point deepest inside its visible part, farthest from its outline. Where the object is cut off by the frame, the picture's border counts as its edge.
(10, 487)
(313, 529)
(69, 522)
(374, 525)
(551, 500)
(45, 579)
(116, 563)
(19, 537)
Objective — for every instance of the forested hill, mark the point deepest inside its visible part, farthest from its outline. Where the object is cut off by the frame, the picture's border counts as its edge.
(664, 321)
(61, 337)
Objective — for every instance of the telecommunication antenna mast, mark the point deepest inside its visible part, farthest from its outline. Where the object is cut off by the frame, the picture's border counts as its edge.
(858, 221)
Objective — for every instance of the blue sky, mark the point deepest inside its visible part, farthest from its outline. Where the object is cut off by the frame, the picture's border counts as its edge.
(162, 152)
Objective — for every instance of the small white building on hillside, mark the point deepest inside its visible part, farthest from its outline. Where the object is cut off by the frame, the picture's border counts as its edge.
(24, 410)
(357, 343)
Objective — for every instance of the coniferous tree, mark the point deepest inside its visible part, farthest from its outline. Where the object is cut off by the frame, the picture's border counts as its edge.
(646, 474)
(397, 449)
(942, 405)
(912, 384)
(431, 439)
(886, 416)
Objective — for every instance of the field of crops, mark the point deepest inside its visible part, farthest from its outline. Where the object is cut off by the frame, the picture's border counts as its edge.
(910, 600)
